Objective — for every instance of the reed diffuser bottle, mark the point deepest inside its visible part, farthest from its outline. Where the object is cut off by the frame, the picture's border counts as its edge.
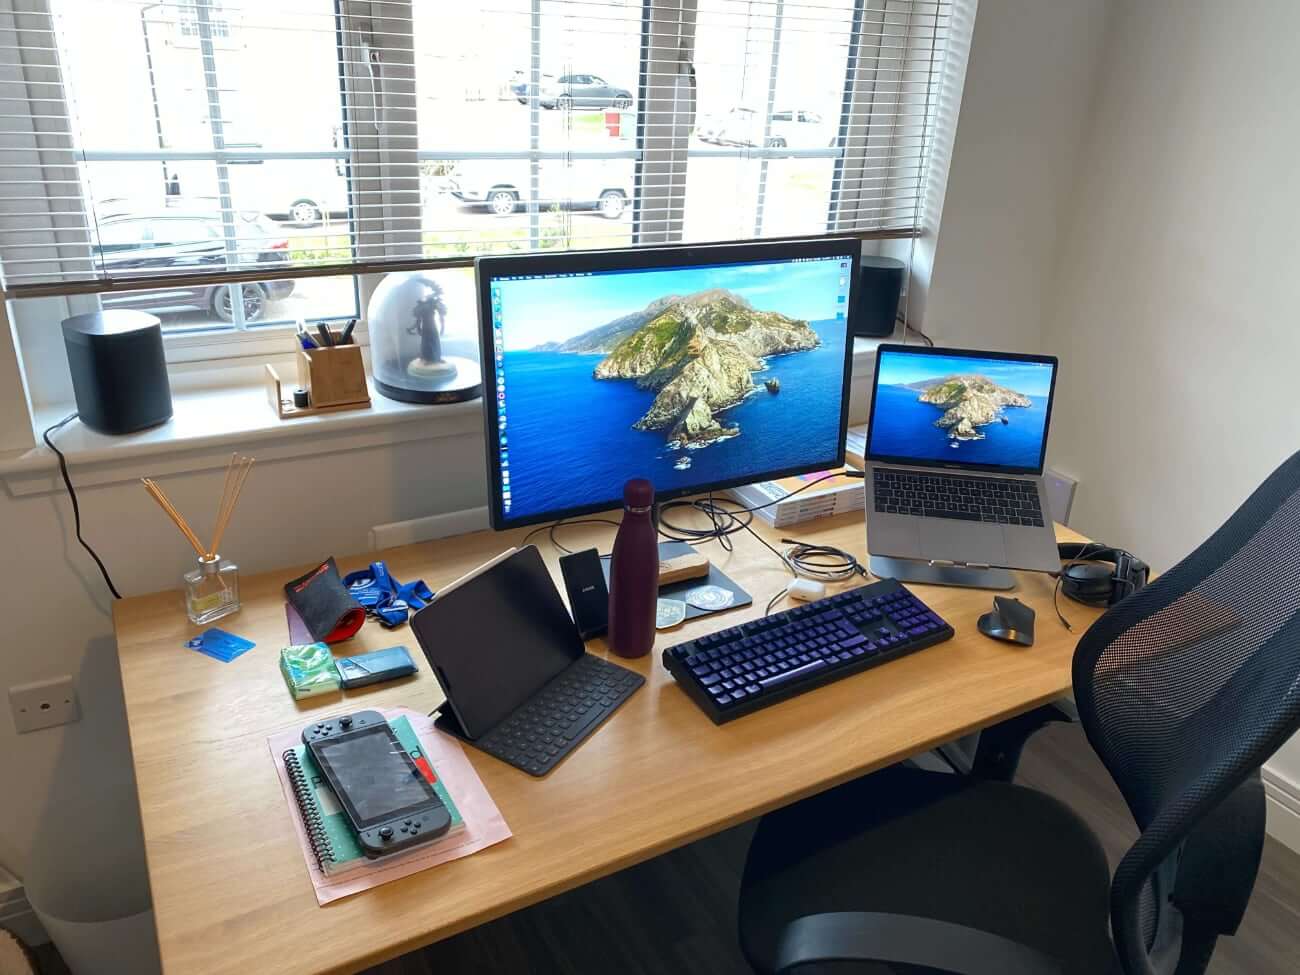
(212, 588)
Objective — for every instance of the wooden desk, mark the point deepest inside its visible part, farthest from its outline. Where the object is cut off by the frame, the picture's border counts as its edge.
(231, 893)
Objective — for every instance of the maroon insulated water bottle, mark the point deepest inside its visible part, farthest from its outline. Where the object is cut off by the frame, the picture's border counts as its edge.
(634, 574)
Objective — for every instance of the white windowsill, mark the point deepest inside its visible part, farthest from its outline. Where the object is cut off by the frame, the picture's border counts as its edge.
(207, 424)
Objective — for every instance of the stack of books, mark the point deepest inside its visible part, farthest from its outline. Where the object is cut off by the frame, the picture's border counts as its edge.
(334, 858)
(782, 506)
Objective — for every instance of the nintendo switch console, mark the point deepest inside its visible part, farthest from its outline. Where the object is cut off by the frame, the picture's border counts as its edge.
(388, 801)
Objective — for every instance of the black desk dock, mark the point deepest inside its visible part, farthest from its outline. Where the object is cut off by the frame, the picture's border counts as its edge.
(519, 682)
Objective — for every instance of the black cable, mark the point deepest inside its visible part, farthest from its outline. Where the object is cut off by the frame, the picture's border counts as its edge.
(72, 495)
(1056, 605)
(727, 521)
(550, 530)
(822, 561)
(774, 600)
(914, 330)
(723, 523)
(825, 562)
(1083, 556)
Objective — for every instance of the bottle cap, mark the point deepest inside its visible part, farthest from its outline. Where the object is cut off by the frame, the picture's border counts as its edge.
(638, 495)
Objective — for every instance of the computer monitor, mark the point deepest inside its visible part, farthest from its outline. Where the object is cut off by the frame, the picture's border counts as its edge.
(699, 368)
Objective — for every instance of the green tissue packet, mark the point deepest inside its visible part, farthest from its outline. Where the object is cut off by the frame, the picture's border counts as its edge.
(309, 669)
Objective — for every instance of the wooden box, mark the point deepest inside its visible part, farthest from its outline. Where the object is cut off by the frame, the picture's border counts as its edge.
(335, 379)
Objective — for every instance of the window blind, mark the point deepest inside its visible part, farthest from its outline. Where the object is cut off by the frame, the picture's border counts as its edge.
(234, 140)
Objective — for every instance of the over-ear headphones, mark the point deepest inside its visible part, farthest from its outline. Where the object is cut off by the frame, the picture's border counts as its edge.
(1098, 575)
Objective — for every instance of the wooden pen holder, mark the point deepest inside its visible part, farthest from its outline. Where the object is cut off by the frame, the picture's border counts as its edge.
(335, 379)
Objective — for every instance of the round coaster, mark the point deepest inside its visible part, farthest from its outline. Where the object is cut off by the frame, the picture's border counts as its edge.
(670, 613)
(710, 597)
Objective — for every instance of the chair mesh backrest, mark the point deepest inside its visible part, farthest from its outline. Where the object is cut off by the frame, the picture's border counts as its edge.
(1188, 686)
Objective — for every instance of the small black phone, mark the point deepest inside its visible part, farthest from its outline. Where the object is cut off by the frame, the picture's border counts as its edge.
(386, 797)
(584, 581)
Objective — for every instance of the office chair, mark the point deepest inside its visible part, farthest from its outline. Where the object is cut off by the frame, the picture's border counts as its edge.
(1184, 690)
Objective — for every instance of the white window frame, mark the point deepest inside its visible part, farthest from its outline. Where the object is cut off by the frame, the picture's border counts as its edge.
(666, 115)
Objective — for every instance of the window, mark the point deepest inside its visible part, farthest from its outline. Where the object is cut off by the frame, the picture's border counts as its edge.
(198, 137)
(229, 164)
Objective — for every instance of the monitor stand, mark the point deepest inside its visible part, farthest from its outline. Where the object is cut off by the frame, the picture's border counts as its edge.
(926, 573)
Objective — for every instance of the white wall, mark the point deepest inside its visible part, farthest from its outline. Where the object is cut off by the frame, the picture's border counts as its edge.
(1029, 79)
(1175, 302)
(57, 611)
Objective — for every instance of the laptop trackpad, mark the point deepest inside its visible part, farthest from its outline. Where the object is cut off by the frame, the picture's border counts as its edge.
(962, 541)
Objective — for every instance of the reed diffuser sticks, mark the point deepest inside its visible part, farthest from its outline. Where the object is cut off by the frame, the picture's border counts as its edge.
(237, 471)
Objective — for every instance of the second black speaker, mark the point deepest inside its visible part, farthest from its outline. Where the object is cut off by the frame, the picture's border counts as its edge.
(880, 284)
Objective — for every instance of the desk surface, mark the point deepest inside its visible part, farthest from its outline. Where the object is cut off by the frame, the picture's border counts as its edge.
(231, 892)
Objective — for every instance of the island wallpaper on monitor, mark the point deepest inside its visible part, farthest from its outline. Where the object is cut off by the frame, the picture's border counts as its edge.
(685, 376)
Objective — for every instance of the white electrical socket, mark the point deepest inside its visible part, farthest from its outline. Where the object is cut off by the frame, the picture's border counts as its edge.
(43, 704)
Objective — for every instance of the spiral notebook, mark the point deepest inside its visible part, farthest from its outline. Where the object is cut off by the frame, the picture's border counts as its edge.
(332, 839)
(334, 861)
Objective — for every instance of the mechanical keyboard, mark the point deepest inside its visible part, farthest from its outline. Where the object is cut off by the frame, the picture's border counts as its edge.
(1002, 500)
(747, 667)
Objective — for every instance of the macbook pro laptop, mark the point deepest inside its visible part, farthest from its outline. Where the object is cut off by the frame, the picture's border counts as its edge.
(954, 460)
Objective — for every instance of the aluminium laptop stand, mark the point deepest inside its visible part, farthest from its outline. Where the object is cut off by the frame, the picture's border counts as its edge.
(940, 574)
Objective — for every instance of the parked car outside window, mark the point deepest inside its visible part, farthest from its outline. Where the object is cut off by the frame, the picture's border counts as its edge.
(787, 128)
(501, 186)
(157, 242)
(583, 91)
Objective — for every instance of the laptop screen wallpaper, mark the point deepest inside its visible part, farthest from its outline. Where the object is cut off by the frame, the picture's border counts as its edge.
(957, 410)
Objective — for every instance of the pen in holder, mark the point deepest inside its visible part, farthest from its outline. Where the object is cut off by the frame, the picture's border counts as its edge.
(330, 377)
(212, 588)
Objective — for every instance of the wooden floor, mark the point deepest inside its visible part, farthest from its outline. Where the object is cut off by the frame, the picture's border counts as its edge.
(676, 915)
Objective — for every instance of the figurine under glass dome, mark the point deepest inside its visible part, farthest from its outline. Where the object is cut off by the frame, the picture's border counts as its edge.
(411, 343)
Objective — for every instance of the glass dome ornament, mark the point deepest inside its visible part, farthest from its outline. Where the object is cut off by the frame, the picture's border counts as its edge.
(416, 355)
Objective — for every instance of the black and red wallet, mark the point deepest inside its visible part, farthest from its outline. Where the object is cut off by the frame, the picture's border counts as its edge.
(327, 609)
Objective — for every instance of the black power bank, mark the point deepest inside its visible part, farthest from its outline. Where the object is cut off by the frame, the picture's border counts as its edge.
(584, 581)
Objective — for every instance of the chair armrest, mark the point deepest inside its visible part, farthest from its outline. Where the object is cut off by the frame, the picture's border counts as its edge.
(1220, 861)
(901, 939)
(998, 753)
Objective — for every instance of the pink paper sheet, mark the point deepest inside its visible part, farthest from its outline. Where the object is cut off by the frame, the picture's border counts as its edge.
(484, 825)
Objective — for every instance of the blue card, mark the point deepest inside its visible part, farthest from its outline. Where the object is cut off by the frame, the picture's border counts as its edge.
(220, 645)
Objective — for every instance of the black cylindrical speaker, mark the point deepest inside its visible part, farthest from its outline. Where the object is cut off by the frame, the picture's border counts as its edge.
(880, 284)
(119, 372)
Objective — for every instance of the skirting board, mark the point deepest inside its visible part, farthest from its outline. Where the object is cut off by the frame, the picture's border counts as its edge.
(1283, 797)
(425, 529)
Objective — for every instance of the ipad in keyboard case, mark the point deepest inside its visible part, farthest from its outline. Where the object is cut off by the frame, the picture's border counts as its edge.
(518, 680)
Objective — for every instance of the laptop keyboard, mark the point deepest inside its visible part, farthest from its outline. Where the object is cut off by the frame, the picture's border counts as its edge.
(1003, 501)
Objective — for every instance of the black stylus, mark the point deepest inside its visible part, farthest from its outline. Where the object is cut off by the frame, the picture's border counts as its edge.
(347, 332)
(323, 331)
